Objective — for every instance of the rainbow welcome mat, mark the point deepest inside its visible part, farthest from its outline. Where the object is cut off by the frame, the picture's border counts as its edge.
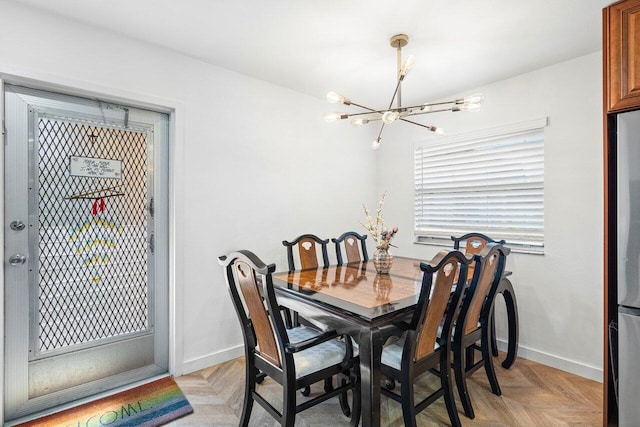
(148, 405)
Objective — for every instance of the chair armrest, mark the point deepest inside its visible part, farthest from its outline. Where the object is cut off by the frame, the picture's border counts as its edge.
(286, 314)
(303, 345)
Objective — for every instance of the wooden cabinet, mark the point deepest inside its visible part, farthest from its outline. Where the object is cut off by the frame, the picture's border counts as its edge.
(622, 55)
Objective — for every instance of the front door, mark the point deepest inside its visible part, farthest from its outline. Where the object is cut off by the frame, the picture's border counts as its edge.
(86, 289)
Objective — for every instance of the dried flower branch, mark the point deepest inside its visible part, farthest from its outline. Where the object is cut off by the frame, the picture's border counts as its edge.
(376, 228)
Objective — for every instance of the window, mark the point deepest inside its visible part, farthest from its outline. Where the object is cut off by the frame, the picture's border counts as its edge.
(490, 182)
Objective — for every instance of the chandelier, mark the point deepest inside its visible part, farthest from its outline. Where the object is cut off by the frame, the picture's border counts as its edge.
(392, 114)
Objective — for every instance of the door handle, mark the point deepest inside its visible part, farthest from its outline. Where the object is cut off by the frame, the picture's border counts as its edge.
(17, 259)
(17, 225)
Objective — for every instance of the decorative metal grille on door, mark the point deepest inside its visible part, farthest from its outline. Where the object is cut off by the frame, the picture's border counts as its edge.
(93, 232)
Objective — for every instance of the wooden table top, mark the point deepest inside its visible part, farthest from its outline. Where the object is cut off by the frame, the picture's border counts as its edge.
(357, 288)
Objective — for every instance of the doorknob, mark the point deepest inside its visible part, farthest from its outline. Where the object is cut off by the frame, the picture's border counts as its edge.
(17, 259)
(17, 225)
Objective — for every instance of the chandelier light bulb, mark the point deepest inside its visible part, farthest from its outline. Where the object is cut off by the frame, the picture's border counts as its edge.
(376, 144)
(389, 117)
(359, 122)
(474, 99)
(470, 107)
(334, 117)
(406, 65)
(336, 98)
(426, 108)
(438, 131)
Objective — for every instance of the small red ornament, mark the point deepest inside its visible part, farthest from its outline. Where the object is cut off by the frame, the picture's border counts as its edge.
(98, 206)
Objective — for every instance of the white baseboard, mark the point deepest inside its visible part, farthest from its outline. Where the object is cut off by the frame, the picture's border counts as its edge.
(577, 368)
(212, 359)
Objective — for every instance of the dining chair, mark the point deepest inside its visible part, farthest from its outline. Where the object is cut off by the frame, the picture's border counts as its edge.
(307, 253)
(296, 357)
(308, 256)
(350, 241)
(473, 244)
(474, 325)
(425, 346)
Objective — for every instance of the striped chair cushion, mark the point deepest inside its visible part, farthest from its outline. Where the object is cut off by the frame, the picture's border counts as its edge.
(392, 352)
(318, 357)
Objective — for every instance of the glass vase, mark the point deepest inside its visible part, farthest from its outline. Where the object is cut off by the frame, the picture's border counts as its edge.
(382, 260)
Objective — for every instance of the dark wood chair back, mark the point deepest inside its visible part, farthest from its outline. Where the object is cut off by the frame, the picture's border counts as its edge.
(442, 287)
(474, 243)
(249, 303)
(488, 268)
(350, 241)
(307, 252)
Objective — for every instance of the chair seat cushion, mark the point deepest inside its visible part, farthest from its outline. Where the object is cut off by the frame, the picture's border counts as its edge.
(318, 357)
(392, 353)
(393, 350)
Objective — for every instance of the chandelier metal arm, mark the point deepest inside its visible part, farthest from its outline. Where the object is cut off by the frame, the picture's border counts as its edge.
(430, 127)
(395, 92)
(371, 110)
(419, 108)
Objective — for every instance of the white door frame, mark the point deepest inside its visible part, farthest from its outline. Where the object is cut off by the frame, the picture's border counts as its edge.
(175, 109)
(2, 142)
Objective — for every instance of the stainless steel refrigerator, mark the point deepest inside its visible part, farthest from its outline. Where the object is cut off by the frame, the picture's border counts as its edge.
(628, 238)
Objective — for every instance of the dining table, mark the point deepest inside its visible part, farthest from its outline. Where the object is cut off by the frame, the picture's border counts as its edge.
(354, 300)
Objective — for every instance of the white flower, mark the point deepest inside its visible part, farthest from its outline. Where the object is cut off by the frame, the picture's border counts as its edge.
(376, 228)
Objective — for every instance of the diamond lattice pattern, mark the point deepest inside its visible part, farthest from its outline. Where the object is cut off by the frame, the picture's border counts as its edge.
(92, 252)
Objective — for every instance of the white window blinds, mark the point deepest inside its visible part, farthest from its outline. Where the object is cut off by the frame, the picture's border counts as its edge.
(491, 182)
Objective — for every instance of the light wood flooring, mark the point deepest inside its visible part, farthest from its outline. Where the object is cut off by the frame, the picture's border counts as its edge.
(532, 395)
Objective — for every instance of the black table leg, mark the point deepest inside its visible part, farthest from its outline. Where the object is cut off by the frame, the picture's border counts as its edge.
(512, 319)
(506, 289)
(371, 342)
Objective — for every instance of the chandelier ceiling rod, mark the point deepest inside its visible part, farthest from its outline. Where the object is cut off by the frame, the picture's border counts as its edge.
(399, 41)
(391, 114)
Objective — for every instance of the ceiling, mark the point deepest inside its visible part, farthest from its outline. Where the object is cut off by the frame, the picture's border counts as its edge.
(315, 46)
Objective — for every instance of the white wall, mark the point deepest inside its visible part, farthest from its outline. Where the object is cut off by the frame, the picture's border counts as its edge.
(253, 163)
(559, 293)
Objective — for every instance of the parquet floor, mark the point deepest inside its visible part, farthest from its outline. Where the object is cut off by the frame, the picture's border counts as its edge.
(532, 395)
